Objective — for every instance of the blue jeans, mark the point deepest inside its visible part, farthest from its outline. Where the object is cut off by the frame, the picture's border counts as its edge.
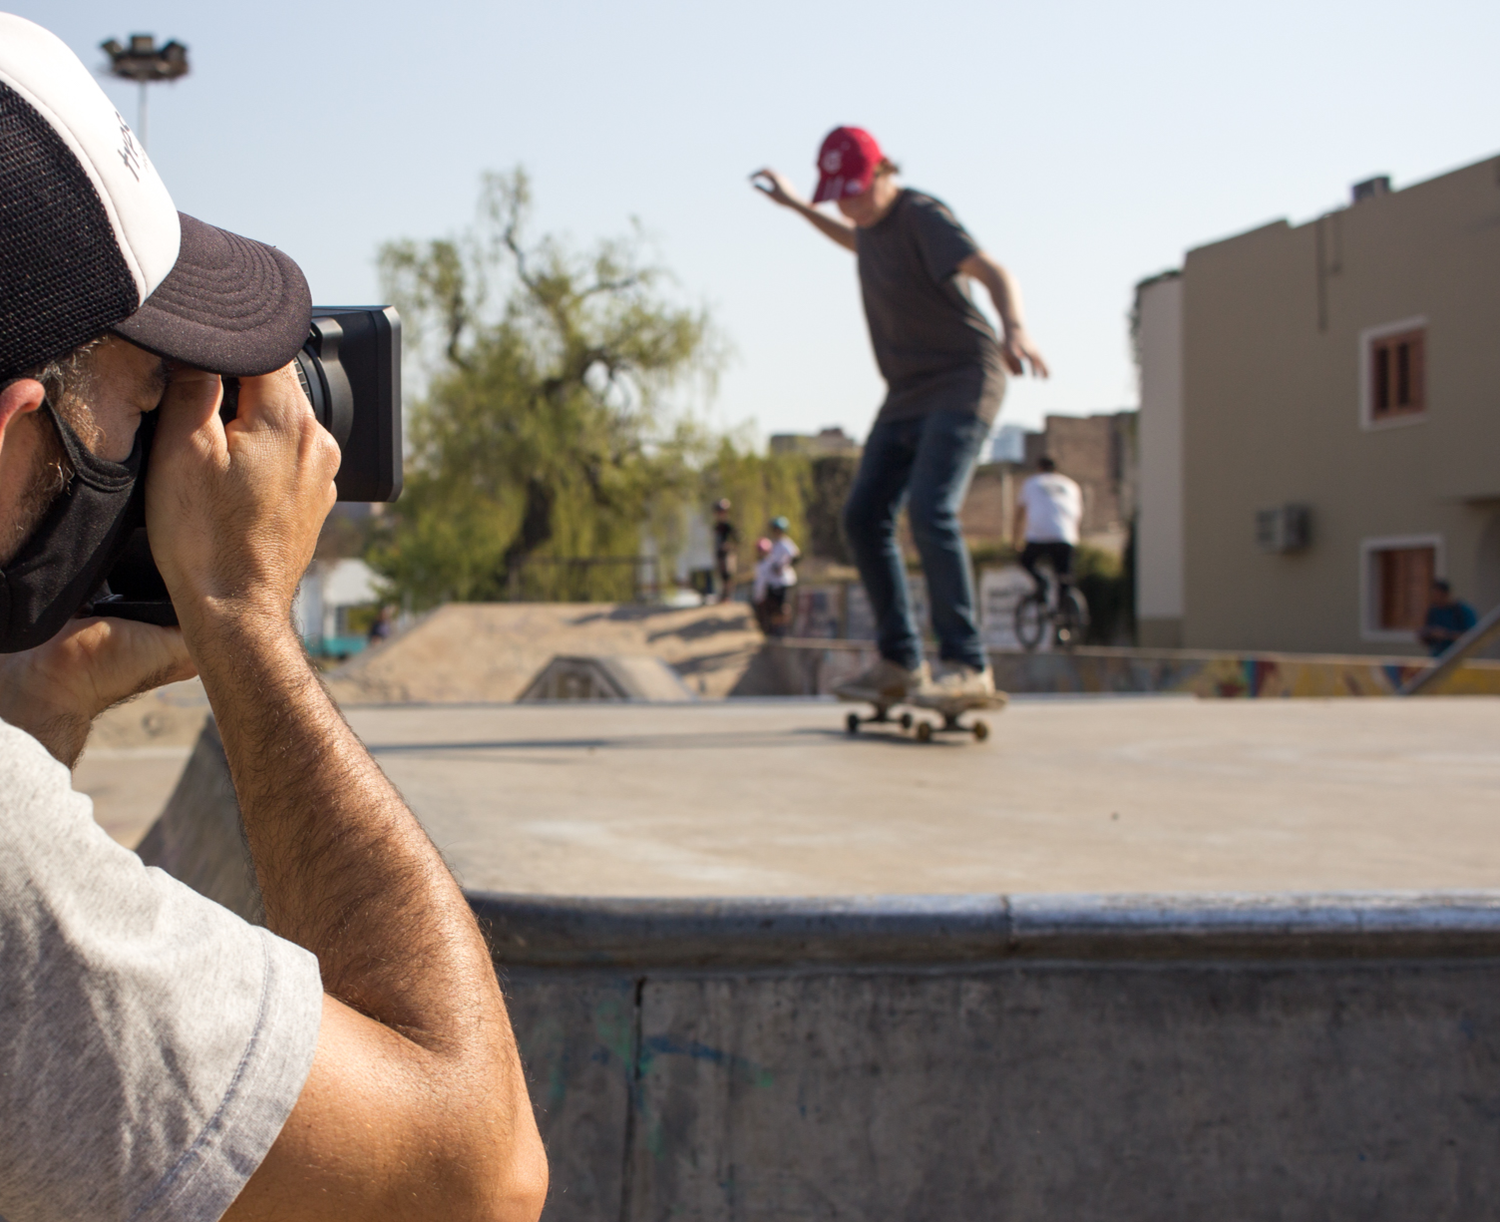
(925, 463)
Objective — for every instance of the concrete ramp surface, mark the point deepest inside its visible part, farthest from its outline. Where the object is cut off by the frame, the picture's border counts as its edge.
(1018, 1056)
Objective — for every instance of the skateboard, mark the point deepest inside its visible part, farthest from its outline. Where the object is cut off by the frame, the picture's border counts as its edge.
(951, 711)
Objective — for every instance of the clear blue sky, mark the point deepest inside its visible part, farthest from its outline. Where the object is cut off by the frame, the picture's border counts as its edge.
(1086, 145)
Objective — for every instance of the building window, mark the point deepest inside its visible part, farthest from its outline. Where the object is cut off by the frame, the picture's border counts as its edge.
(1398, 573)
(1393, 373)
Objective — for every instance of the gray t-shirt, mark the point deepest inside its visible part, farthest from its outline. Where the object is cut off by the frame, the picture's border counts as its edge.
(152, 1043)
(935, 349)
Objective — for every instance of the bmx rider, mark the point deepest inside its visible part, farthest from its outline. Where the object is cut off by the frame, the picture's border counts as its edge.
(1048, 511)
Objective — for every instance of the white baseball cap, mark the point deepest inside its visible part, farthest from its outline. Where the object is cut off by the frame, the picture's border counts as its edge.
(90, 240)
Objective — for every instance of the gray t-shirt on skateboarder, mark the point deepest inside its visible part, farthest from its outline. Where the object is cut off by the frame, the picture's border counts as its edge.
(935, 349)
(152, 1043)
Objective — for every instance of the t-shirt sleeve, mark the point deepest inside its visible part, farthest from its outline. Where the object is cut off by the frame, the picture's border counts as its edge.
(152, 1043)
(943, 242)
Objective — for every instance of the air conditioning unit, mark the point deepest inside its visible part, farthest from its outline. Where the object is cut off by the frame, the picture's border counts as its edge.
(1287, 528)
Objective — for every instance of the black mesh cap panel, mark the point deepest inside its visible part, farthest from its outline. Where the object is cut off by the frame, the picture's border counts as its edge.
(63, 279)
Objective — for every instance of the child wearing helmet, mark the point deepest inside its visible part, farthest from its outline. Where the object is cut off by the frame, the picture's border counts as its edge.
(780, 575)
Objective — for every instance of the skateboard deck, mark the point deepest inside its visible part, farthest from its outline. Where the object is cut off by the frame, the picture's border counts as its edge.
(950, 709)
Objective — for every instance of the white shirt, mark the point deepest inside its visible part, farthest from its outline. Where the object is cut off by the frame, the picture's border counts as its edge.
(783, 552)
(1054, 505)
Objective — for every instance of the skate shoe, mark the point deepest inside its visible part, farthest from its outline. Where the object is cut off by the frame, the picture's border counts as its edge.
(886, 683)
(956, 681)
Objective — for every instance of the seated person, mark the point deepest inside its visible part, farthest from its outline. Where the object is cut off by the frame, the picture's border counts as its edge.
(1447, 619)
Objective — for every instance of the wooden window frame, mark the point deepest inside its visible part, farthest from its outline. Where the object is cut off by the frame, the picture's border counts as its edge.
(1374, 340)
(1369, 581)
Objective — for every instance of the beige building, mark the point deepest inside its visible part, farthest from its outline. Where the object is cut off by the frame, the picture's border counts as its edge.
(1320, 424)
(829, 442)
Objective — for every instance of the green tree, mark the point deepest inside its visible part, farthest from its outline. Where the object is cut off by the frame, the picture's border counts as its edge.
(544, 431)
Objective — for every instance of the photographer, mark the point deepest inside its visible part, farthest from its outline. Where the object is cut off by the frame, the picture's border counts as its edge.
(159, 1057)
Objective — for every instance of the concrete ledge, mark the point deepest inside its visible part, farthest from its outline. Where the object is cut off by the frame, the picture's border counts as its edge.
(813, 667)
(537, 931)
(541, 931)
(1370, 925)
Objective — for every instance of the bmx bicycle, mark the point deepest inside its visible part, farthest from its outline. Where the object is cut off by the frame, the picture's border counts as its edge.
(1065, 614)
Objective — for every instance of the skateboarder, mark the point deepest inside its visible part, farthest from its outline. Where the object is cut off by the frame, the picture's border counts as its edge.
(945, 372)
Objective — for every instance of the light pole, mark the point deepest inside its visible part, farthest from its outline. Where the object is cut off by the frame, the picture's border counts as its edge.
(144, 62)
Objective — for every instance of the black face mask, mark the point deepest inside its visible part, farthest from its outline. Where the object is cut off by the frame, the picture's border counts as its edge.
(61, 569)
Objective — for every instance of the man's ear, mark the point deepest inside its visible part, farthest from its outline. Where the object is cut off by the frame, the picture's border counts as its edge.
(18, 398)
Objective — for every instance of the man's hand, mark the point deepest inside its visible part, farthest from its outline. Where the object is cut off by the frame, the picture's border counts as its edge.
(1019, 353)
(780, 190)
(1016, 349)
(776, 188)
(55, 691)
(234, 510)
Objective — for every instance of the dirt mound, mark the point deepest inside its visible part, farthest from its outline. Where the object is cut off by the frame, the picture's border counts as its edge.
(490, 651)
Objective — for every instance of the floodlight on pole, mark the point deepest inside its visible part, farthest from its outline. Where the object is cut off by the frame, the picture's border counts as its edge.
(145, 63)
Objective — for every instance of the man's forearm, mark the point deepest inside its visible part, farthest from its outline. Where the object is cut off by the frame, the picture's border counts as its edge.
(840, 231)
(1001, 286)
(344, 868)
(1006, 296)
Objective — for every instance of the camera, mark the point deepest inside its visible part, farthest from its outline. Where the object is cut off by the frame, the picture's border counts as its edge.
(350, 371)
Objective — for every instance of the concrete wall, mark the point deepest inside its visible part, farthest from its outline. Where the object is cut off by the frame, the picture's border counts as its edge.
(1159, 560)
(1021, 1058)
(1272, 329)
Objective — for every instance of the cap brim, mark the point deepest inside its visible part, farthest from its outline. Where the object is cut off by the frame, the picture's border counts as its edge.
(229, 305)
(830, 186)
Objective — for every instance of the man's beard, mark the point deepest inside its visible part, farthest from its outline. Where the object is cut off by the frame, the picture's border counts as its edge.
(50, 474)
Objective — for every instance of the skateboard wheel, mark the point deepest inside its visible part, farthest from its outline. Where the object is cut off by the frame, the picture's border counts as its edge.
(851, 723)
(906, 720)
(981, 731)
(924, 732)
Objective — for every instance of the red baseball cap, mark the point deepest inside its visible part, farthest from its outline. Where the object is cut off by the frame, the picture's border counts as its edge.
(846, 163)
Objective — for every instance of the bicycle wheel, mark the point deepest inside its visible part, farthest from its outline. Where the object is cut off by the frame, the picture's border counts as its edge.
(1032, 618)
(1072, 619)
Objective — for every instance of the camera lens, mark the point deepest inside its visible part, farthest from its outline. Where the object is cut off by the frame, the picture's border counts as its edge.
(321, 377)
